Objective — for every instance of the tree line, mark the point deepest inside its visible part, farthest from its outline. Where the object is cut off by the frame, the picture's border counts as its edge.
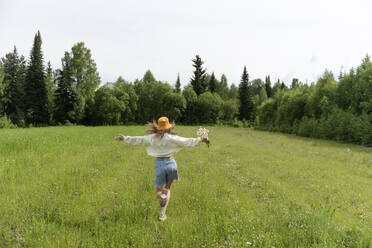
(337, 109)
(32, 94)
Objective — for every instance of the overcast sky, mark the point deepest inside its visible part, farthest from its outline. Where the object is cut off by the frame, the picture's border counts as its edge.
(283, 39)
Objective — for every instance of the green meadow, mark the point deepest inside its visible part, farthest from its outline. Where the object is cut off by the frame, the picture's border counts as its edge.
(77, 187)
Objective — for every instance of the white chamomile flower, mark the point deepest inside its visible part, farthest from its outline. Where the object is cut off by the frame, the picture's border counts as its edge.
(203, 133)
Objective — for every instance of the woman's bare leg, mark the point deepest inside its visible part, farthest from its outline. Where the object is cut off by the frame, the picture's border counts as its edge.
(167, 186)
(158, 191)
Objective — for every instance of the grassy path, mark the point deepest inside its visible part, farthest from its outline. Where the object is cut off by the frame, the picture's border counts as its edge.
(77, 187)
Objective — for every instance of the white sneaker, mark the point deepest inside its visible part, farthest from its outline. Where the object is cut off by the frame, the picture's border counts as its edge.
(163, 197)
(162, 217)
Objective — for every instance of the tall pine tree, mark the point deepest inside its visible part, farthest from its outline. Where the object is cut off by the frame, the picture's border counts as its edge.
(65, 96)
(2, 86)
(14, 80)
(148, 77)
(198, 79)
(36, 90)
(223, 89)
(10, 81)
(246, 98)
(178, 84)
(51, 88)
(268, 86)
(213, 83)
(295, 83)
(21, 84)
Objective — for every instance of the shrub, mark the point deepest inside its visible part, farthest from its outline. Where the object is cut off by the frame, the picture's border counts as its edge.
(5, 122)
(230, 109)
(307, 127)
(366, 129)
(209, 107)
(237, 123)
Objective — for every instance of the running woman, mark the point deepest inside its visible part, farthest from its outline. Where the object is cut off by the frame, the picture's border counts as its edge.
(162, 143)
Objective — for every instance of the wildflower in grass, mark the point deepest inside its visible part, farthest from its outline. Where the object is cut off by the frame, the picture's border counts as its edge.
(21, 240)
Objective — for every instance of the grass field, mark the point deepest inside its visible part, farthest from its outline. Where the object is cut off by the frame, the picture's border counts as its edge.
(77, 187)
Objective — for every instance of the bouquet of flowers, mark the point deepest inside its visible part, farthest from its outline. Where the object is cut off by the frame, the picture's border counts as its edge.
(203, 133)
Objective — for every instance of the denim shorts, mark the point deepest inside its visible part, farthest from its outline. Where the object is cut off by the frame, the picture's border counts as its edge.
(165, 171)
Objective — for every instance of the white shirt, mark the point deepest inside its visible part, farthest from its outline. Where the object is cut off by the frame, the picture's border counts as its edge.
(162, 147)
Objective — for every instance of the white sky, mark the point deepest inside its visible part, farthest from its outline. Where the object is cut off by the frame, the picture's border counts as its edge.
(283, 39)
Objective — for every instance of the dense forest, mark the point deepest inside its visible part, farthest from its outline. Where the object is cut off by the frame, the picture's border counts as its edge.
(34, 94)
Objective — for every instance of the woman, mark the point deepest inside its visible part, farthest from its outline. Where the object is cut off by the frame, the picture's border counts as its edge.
(162, 143)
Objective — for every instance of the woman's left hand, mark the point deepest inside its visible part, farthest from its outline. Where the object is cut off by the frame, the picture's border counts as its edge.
(120, 137)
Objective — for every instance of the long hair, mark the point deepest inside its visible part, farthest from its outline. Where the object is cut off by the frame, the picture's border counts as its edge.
(159, 133)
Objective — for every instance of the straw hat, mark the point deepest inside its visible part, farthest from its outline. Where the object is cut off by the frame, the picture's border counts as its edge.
(163, 123)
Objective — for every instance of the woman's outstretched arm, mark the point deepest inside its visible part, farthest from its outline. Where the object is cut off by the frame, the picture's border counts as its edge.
(186, 142)
(133, 140)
